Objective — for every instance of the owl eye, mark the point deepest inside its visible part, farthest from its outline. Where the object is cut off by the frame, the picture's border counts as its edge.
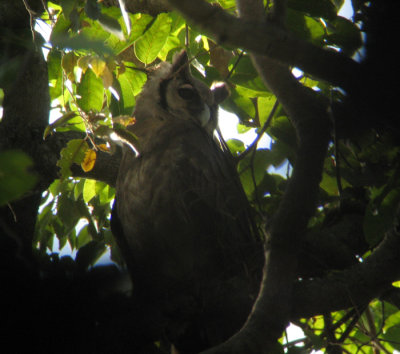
(187, 92)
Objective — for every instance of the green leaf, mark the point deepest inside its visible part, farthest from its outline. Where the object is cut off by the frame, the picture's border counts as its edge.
(378, 219)
(90, 253)
(282, 130)
(69, 214)
(78, 188)
(131, 83)
(139, 23)
(83, 237)
(91, 91)
(246, 75)
(15, 177)
(392, 336)
(78, 42)
(89, 190)
(305, 27)
(253, 168)
(111, 25)
(74, 152)
(67, 7)
(315, 8)
(60, 30)
(92, 9)
(55, 73)
(105, 193)
(148, 46)
(345, 35)
(235, 146)
(265, 106)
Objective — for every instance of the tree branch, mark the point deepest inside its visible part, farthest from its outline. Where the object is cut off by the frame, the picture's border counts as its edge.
(268, 39)
(352, 287)
(308, 114)
(151, 7)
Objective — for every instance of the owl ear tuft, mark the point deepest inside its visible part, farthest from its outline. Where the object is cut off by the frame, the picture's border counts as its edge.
(180, 64)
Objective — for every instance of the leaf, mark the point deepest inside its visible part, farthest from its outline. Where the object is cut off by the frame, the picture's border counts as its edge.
(305, 27)
(89, 160)
(111, 25)
(74, 152)
(83, 237)
(103, 147)
(90, 253)
(73, 124)
(314, 8)
(148, 46)
(91, 91)
(379, 218)
(68, 63)
(247, 76)
(80, 41)
(130, 84)
(265, 106)
(236, 146)
(68, 213)
(58, 122)
(83, 62)
(92, 9)
(252, 170)
(107, 77)
(89, 190)
(282, 130)
(15, 177)
(346, 35)
(139, 24)
(98, 65)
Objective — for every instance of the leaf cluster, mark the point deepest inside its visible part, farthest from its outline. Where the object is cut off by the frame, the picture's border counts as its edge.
(97, 62)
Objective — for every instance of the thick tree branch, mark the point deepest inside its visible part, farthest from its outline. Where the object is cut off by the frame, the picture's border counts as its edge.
(105, 168)
(355, 286)
(309, 116)
(152, 7)
(269, 39)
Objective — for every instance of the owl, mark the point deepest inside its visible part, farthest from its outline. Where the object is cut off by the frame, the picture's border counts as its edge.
(180, 217)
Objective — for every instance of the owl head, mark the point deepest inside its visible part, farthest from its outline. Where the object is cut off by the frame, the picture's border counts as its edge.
(172, 92)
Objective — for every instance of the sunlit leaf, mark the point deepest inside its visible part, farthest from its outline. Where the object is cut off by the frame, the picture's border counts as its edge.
(97, 64)
(68, 63)
(91, 92)
(89, 190)
(150, 44)
(107, 77)
(58, 123)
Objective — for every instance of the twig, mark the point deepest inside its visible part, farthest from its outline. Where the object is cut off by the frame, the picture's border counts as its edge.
(32, 15)
(254, 144)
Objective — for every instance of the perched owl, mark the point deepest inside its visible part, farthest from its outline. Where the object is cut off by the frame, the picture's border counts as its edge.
(181, 218)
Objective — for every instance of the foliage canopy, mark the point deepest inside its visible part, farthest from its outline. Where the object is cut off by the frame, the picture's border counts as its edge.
(96, 59)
